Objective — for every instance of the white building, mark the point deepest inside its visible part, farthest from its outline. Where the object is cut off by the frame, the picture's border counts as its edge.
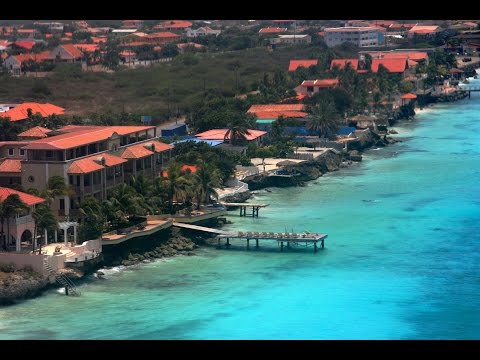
(359, 36)
(203, 31)
(292, 39)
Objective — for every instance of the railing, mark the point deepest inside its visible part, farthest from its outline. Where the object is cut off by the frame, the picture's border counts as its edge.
(23, 220)
(61, 278)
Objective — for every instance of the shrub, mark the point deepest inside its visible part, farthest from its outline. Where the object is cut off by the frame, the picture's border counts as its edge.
(7, 268)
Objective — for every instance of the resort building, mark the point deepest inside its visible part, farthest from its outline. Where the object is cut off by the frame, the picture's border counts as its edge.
(311, 87)
(254, 136)
(203, 31)
(359, 36)
(292, 39)
(21, 112)
(92, 159)
(295, 64)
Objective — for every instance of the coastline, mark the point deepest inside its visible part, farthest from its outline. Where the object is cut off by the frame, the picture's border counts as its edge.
(183, 242)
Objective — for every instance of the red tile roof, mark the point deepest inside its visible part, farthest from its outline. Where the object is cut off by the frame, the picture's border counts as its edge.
(72, 50)
(295, 64)
(342, 62)
(159, 146)
(94, 163)
(28, 45)
(196, 46)
(320, 83)
(20, 112)
(421, 29)
(173, 24)
(392, 65)
(277, 114)
(219, 134)
(136, 152)
(37, 132)
(276, 107)
(84, 166)
(24, 197)
(127, 53)
(409, 96)
(162, 35)
(185, 168)
(272, 30)
(76, 135)
(11, 166)
(399, 26)
(86, 47)
(98, 39)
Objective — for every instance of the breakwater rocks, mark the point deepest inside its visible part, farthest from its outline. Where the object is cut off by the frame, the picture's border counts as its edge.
(238, 197)
(454, 96)
(20, 285)
(166, 243)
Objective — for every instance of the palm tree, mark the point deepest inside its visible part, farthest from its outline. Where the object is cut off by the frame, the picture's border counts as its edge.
(207, 179)
(175, 182)
(44, 219)
(57, 187)
(92, 219)
(237, 131)
(324, 119)
(2, 220)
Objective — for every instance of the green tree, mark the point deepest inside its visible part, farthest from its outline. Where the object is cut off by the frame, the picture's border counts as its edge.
(175, 183)
(207, 178)
(169, 50)
(44, 219)
(92, 219)
(323, 119)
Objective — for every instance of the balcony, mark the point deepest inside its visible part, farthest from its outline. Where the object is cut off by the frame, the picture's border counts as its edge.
(23, 219)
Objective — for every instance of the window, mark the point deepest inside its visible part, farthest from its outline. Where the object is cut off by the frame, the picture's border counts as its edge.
(22, 152)
(49, 153)
(309, 88)
(10, 151)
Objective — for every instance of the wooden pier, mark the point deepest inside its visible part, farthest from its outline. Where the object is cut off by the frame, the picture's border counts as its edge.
(282, 239)
(243, 207)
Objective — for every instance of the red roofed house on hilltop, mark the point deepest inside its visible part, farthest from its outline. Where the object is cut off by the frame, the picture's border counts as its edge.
(34, 133)
(66, 53)
(22, 226)
(423, 31)
(16, 63)
(23, 45)
(272, 30)
(173, 25)
(295, 64)
(311, 87)
(21, 111)
(273, 111)
(132, 24)
(395, 65)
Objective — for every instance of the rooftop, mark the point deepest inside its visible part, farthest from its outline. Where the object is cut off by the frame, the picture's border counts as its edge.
(320, 83)
(219, 134)
(20, 112)
(392, 65)
(341, 63)
(37, 132)
(24, 197)
(11, 166)
(295, 64)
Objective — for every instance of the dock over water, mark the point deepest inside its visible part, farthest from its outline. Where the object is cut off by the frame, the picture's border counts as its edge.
(243, 207)
(282, 239)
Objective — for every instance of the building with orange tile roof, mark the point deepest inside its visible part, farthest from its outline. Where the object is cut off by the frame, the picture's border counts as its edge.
(16, 63)
(395, 65)
(132, 24)
(21, 111)
(22, 228)
(66, 53)
(295, 64)
(173, 25)
(275, 107)
(87, 47)
(24, 45)
(423, 31)
(37, 132)
(311, 87)
(10, 166)
(272, 30)
(219, 134)
(359, 36)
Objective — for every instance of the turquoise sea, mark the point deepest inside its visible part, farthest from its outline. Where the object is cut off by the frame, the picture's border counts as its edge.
(401, 260)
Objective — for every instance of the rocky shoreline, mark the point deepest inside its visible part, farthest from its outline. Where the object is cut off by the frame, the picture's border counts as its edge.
(19, 285)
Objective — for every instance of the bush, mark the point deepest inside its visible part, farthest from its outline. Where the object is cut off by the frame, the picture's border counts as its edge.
(40, 89)
(7, 268)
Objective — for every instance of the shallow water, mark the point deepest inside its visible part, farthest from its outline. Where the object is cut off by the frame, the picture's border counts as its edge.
(401, 259)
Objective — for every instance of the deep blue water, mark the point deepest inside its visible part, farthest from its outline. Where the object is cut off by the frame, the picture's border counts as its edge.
(401, 260)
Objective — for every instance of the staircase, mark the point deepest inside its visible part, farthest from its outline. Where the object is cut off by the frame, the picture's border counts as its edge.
(61, 279)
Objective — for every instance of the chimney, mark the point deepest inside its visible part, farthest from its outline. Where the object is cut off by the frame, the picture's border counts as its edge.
(149, 146)
(100, 160)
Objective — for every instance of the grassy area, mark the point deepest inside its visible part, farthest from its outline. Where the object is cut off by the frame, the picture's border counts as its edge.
(148, 91)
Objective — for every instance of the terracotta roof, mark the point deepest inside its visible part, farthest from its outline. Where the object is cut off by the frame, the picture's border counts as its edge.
(392, 65)
(196, 46)
(86, 47)
(98, 39)
(399, 26)
(24, 197)
(219, 134)
(76, 135)
(84, 166)
(136, 152)
(72, 50)
(295, 64)
(11, 166)
(276, 107)
(20, 112)
(37, 132)
(28, 45)
(174, 24)
(320, 83)
(68, 34)
(456, 71)
(162, 35)
(411, 63)
(32, 56)
(272, 30)
(159, 146)
(342, 62)
(127, 53)
(420, 29)
(384, 23)
(349, 29)
(94, 163)
(26, 31)
(277, 114)
(409, 96)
